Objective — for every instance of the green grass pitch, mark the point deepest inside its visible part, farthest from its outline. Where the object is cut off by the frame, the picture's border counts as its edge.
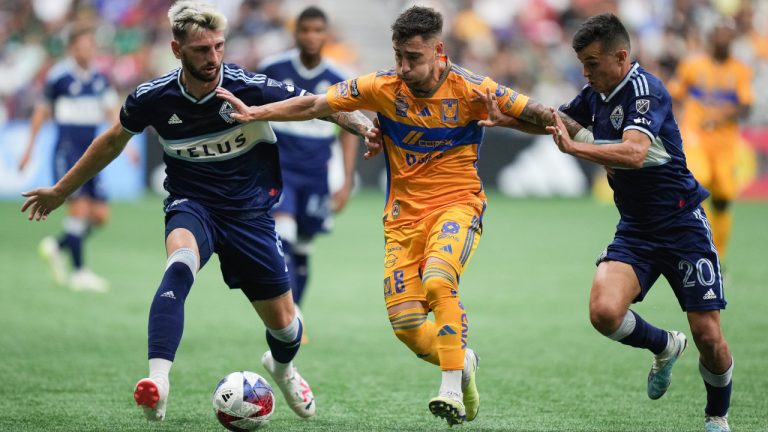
(69, 360)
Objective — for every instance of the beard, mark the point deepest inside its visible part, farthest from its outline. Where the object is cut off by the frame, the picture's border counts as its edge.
(200, 73)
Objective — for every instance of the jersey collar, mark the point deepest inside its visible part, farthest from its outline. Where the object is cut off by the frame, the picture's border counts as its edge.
(302, 70)
(205, 98)
(621, 85)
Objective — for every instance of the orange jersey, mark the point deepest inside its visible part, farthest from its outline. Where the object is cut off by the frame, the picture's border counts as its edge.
(709, 90)
(432, 142)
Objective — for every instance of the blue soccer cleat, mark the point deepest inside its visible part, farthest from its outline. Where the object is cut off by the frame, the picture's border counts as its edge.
(660, 376)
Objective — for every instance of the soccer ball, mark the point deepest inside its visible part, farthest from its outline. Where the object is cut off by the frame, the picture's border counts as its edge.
(243, 401)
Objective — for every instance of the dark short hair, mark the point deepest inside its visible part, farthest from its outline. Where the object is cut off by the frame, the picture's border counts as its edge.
(417, 21)
(312, 12)
(606, 28)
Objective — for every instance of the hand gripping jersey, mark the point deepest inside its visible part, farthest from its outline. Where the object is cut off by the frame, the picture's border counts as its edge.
(432, 143)
(663, 190)
(209, 157)
(305, 146)
(79, 100)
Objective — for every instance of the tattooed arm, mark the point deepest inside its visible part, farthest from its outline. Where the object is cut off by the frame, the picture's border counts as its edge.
(534, 118)
(354, 122)
(541, 116)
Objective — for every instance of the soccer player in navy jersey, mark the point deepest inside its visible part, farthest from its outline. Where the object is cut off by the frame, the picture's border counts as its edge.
(222, 179)
(662, 230)
(306, 206)
(80, 99)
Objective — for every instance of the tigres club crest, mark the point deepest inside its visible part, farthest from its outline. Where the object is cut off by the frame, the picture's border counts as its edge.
(225, 111)
(401, 105)
(617, 117)
(450, 110)
(395, 210)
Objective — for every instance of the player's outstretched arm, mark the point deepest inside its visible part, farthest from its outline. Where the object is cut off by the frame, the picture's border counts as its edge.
(533, 119)
(105, 148)
(294, 109)
(40, 114)
(630, 153)
(306, 108)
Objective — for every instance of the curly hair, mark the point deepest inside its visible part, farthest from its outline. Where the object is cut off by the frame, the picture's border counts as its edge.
(417, 21)
(606, 28)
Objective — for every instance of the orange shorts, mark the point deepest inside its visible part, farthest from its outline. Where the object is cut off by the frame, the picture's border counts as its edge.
(712, 161)
(450, 233)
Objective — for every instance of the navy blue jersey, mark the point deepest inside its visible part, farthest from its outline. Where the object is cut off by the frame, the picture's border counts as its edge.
(209, 157)
(663, 190)
(305, 147)
(79, 100)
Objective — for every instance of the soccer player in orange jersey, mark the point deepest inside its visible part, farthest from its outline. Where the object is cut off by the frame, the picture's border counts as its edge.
(432, 127)
(714, 91)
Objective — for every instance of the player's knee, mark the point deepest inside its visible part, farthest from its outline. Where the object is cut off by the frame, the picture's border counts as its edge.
(707, 335)
(439, 281)
(409, 326)
(605, 316)
(720, 205)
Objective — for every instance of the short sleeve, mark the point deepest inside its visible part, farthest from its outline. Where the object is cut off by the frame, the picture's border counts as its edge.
(578, 109)
(49, 91)
(509, 101)
(134, 115)
(353, 94)
(646, 113)
(276, 91)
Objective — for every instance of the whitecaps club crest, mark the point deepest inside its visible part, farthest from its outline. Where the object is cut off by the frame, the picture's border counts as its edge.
(225, 111)
(617, 117)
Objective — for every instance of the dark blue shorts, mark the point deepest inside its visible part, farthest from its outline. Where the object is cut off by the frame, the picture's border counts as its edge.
(685, 255)
(65, 158)
(249, 249)
(309, 202)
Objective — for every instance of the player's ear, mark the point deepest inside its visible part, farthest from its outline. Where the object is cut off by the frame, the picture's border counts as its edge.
(439, 49)
(622, 56)
(176, 48)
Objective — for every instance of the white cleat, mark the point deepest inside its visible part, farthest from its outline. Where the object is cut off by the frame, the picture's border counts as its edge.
(448, 406)
(297, 393)
(152, 397)
(660, 376)
(86, 280)
(469, 384)
(716, 424)
(50, 253)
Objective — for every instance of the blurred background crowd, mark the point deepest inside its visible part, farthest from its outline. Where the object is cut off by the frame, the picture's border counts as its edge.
(522, 43)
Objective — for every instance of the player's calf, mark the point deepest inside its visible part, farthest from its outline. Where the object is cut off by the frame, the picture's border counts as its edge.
(418, 333)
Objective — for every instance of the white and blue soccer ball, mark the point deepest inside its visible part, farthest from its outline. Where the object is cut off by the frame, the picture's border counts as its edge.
(243, 401)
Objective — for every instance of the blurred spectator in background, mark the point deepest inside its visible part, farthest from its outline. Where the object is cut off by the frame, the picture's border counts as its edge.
(523, 43)
(307, 202)
(714, 92)
(79, 98)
